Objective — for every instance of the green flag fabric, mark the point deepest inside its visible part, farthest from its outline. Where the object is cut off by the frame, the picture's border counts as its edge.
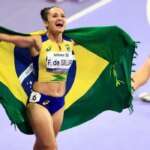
(99, 79)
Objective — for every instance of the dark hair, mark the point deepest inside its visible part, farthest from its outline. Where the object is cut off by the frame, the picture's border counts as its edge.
(44, 12)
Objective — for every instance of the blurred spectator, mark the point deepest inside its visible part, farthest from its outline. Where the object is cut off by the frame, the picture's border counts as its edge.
(141, 77)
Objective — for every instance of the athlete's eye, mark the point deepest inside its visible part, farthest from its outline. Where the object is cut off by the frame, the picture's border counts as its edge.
(55, 15)
(63, 16)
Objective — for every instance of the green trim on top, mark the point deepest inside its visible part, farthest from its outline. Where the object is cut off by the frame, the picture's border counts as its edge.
(59, 77)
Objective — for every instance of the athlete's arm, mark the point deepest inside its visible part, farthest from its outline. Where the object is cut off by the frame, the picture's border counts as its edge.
(20, 41)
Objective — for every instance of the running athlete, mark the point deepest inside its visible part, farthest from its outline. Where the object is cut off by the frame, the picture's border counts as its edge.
(52, 58)
(141, 77)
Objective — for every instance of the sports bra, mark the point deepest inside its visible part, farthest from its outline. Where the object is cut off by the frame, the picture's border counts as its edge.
(54, 60)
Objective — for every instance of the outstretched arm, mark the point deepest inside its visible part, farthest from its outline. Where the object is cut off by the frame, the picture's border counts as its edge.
(20, 41)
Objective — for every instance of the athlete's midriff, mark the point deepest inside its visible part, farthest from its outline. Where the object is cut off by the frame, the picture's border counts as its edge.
(55, 89)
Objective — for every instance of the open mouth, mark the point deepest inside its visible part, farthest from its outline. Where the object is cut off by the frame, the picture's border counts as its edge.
(59, 24)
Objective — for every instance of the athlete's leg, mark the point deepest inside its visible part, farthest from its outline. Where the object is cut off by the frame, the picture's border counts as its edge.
(42, 125)
(57, 120)
(142, 75)
(37, 145)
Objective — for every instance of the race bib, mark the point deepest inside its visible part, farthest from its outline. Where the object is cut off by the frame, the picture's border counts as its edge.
(59, 61)
(34, 97)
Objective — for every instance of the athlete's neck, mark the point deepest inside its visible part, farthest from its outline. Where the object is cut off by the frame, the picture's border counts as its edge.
(57, 37)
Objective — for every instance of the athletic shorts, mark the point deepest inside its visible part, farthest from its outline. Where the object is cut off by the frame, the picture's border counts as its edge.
(52, 104)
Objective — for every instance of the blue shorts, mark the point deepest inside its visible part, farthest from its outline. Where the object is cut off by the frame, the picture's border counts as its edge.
(52, 104)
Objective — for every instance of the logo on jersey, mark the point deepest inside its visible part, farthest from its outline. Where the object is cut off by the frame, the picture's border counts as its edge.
(68, 47)
(48, 48)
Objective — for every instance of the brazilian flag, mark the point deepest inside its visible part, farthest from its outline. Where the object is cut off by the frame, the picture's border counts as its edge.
(98, 80)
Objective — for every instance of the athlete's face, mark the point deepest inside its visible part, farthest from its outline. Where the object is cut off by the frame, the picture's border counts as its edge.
(56, 20)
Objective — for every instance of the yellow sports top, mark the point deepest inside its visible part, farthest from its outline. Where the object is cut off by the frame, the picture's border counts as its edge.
(55, 60)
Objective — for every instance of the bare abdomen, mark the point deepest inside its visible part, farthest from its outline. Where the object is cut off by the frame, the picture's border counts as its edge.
(55, 89)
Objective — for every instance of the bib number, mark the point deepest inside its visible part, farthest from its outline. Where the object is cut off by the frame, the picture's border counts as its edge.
(34, 97)
(59, 61)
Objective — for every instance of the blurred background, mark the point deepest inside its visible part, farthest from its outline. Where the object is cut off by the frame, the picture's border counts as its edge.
(109, 130)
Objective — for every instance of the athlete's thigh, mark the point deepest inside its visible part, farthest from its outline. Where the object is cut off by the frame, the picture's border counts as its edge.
(41, 122)
(57, 120)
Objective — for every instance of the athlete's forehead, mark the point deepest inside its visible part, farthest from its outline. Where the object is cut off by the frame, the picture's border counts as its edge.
(56, 10)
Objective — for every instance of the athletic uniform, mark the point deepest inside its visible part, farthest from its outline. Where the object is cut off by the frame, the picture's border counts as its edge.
(52, 65)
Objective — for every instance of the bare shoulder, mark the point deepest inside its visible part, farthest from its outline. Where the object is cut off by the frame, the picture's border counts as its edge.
(74, 43)
(36, 38)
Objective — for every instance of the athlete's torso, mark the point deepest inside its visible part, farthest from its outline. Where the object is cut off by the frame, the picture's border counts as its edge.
(54, 62)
